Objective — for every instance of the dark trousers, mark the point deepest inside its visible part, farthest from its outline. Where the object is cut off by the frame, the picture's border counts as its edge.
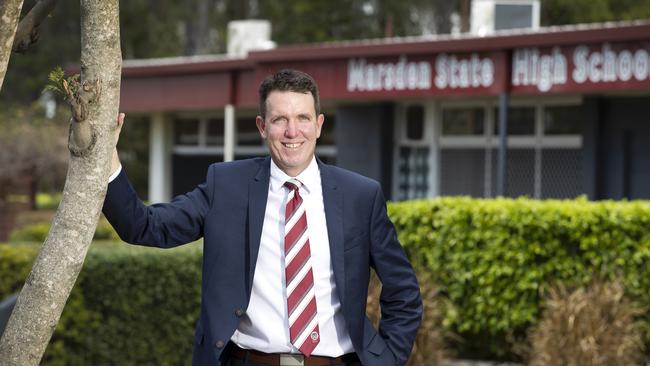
(237, 362)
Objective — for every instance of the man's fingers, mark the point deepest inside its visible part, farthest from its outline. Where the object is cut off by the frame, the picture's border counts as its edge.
(120, 123)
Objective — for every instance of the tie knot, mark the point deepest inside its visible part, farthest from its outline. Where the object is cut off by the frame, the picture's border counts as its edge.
(293, 184)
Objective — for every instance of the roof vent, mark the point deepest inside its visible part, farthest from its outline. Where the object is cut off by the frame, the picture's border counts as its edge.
(248, 35)
(488, 16)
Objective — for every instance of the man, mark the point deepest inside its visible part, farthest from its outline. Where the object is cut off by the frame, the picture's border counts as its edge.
(288, 247)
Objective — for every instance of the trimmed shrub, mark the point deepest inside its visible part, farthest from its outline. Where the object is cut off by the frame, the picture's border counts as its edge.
(48, 201)
(494, 257)
(130, 305)
(15, 264)
(588, 327)
(38, 232)
(30, 233)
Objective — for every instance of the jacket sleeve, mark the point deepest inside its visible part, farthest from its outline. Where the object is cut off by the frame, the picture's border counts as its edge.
(400, 300)
(162, 225)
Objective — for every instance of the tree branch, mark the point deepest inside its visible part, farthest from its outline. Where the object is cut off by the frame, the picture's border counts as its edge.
(27, 32)
(9, 15)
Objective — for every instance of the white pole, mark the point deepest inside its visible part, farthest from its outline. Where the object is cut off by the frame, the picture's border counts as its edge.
(158, 167)
(229, 133)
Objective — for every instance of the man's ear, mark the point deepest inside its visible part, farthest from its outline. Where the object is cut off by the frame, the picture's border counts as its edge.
(261, 126)
(319, 124)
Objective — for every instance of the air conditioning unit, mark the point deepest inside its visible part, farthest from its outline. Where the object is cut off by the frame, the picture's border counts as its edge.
(248, 35)
(488, 16)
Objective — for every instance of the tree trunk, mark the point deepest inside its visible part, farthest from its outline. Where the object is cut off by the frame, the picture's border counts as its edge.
(55, 271)
(197, 28)
(9, 14)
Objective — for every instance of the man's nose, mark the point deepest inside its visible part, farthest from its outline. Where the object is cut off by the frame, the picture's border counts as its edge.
(292, 129)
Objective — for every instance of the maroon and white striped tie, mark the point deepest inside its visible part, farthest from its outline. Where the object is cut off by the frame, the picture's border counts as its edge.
(301, 298)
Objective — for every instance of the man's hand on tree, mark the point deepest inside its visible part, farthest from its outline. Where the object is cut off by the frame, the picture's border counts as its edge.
(115, 162)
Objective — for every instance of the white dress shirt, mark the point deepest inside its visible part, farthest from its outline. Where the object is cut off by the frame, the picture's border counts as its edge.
(265, 327)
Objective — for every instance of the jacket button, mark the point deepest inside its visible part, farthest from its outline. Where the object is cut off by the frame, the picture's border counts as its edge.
(239, 313)
(219, 344)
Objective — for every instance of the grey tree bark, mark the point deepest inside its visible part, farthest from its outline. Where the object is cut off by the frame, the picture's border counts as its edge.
(9, 14)
(92, 139)
(27, 32)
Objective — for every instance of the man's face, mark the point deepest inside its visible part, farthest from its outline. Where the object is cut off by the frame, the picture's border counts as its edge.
(291, 129)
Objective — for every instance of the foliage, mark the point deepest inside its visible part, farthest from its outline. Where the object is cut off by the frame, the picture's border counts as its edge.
(588, 327)
(15, 263)
(62, 84)
(494, 257)
(558, 12)
(47, 201)
(37, 232)
(31, 143)
(168, 28)
(430, 345)
(130, 306)
(30, 233)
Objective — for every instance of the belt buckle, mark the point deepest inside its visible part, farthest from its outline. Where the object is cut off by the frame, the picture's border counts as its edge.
(287, 359)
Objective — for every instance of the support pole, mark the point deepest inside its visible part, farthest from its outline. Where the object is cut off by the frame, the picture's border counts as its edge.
(229, 133)
(158, 160)
(502, 167)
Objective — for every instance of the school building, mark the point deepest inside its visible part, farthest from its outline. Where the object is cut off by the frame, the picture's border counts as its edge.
(551, 113)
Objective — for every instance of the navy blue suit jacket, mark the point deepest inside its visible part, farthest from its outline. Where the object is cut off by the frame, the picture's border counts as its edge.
(228, 212)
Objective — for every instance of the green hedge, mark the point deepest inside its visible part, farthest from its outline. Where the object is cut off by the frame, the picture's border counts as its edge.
(130, 306)
(495, 258)
(38, 232)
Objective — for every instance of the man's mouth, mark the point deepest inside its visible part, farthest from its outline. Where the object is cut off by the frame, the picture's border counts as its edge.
(292, 146)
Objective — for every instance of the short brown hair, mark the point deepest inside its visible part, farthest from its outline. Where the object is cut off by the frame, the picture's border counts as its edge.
(288, 80)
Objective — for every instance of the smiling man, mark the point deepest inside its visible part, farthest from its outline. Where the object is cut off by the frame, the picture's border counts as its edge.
(288, 247)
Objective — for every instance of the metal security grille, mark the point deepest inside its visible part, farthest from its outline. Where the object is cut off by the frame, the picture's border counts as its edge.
(562, 175)
(520, 176)
(541, 173)
(462, 172)
(544, 157)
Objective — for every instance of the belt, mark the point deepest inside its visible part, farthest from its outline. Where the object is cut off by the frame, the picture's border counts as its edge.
(289, 359)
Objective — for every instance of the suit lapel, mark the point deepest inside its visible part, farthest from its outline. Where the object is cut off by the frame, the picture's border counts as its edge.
(333, 202)
(258, 190)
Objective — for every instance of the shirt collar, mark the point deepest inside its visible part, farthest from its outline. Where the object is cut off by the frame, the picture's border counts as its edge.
(309, 177)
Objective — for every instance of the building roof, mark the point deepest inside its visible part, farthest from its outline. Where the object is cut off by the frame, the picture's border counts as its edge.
(427, 44)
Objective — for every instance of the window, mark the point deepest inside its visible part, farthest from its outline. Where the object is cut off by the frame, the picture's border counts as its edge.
(186, 131)
(463, 121)
(413, 153)
(544, 157)
(512, 16)
(521, 121)
(413, 172)
(214, 133)
(415, 123)
(563, 120)
(247, 132)
(463, 153)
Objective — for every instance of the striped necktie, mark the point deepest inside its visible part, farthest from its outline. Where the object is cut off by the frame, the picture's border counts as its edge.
(301, 298)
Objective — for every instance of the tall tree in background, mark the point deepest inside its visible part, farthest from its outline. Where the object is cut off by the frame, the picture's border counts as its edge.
(166, 28)
(559, 12)
(94, 100)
